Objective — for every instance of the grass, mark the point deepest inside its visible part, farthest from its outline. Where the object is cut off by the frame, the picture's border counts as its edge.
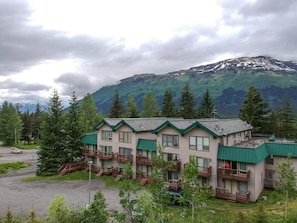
(14, 166)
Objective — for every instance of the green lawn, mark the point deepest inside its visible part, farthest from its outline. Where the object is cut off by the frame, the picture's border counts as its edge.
(5, 167)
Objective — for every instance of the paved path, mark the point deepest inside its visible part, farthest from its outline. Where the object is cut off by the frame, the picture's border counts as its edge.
(21, 197)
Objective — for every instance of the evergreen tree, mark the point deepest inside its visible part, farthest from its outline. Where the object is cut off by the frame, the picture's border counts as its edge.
(187, 103)
(38, 117)
(150, 106)
(88, 116)
(132, 110)
(117, 109)
(10, 124)
(52, 154)
(168, 109)
(207, 107)
(74, 131)
(254, 111)
(285, 120)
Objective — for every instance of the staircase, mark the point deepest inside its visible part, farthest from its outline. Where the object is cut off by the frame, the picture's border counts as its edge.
(69, 167)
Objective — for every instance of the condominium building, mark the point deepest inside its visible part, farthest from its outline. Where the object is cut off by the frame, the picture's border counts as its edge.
(232, 164)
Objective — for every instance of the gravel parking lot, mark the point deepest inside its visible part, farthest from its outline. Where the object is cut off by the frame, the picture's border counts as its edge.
(22, 197)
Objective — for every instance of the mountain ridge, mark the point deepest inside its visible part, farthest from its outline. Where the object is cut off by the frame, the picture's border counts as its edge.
(227, 81)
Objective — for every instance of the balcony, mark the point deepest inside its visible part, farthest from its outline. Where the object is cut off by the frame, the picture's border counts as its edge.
(104, 155)
(174, 184)
(123, 158)
(241, 197)
(143, 160)
(204, 171)
(271, 184)
(234, 174)
(175, 166)
(88, 152)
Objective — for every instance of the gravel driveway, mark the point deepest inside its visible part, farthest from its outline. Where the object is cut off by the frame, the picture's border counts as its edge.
(22, 197)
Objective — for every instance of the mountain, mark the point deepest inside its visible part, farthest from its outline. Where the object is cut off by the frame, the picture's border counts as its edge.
(227, 82)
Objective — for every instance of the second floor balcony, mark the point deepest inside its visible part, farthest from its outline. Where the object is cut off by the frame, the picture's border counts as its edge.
(143, 160)
(123, 158)
(174, 166)
(204, 171)
(88, 152)
(234, 174)
(104, 155)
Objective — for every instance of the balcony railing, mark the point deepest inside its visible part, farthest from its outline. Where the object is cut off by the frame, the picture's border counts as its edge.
(174, 184)
(175, 166)
(123, 158)
(271, 184)
(234, 174)
(143, 160)
(104, 155)
(241, 197)
(204, 171)
(88, 152)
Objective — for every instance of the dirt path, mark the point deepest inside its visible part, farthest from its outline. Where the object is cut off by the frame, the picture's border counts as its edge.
(22, 197)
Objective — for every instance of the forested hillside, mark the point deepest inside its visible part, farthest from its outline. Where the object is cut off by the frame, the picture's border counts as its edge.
(227, 82)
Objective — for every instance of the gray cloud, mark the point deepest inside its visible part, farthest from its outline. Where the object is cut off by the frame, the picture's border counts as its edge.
(264, 27)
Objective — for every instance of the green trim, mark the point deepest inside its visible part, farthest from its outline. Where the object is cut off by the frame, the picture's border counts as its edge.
(282, 149)
(103, 122)
(166, 124)
(89, 139)
(199, 125)
(123, 122)
(146, 144)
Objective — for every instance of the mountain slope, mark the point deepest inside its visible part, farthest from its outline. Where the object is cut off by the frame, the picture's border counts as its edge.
(226, 80)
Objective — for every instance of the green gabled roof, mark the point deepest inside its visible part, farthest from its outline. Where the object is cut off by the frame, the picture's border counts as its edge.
(198, 124)
(165, 124)
(146, 144)
(282, 149)
(247, 155)
(89, 139)
(123, 122)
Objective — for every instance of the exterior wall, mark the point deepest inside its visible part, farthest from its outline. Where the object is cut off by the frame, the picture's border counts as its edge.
(256, 183)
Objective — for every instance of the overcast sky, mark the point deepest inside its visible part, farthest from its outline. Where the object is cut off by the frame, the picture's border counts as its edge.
(83, 45)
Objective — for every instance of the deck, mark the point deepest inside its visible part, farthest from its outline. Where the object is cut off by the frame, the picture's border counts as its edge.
(241, 197)
(233, 174)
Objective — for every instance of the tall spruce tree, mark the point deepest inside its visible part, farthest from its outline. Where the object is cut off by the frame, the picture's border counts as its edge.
(285, 120)
(187, 103)
(132, 110)
(150, 106)
(88, 116)
(117, 109)
(254, 110)
(168, 108)
(52, 153)
(73, 130)
(206, 108)
(38, 116)
(10, 124)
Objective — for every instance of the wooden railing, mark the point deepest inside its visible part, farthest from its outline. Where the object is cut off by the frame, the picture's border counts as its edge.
(123, 158)
(104, 155)
(204, 171)
(89, 152)
(271, 184)
(234, 174)
(241, 197)
(143, 160)
(174, 184)
(175, 166)
(70, 167)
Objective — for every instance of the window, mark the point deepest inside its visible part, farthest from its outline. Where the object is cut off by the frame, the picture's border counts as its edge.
(203, 164)
(125, 137)
(171, 157)
(199, 143)
(106, 149)
(170, 141)
(106, 135)
(125, 151)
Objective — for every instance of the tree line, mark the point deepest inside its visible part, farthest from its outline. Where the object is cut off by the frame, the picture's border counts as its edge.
(59, 132)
